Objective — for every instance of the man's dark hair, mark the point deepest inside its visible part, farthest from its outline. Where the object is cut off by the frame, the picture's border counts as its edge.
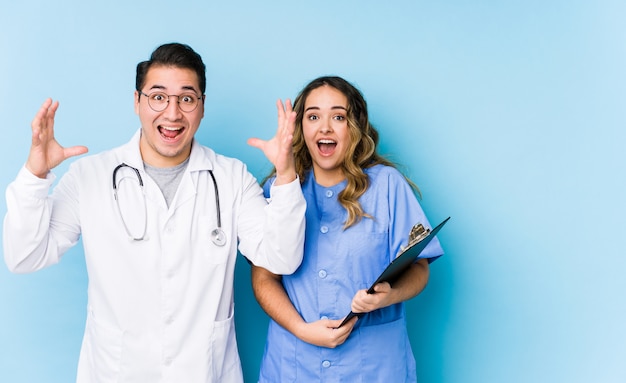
(174, 55)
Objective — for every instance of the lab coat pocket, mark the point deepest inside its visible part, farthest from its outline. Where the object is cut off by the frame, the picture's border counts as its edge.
(224, 355)
(213, 253)
(103, 350)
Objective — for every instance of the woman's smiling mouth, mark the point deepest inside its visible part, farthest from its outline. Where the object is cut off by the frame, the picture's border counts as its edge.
(326, 147)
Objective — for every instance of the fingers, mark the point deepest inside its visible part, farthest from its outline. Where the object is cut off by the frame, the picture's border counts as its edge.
(43, 123)
(286, 117)
(291, 117)
(347, 327)
(362, 302)
(327, 333)
(383, 287)
(342, 333)
(284, 110)
(286, 126)
(45, 152)
(281, 110)
(283, 132)
(283, 159)
(74, 151)
(351, 323)
(357, 306)
(255, 142)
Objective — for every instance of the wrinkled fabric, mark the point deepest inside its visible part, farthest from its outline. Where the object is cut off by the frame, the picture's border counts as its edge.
(337, 263)
(161, 309)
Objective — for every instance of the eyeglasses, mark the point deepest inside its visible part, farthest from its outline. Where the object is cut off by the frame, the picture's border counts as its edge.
(158, 101)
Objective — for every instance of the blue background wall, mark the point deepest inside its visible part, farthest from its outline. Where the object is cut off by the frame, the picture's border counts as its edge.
(509, 115)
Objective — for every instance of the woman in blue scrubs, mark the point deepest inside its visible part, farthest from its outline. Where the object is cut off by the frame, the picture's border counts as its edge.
(360, 209)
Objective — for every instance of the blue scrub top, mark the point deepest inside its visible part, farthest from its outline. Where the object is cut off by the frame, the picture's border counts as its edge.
(337, 263)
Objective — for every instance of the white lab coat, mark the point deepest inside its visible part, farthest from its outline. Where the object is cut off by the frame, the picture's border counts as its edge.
(159, 310)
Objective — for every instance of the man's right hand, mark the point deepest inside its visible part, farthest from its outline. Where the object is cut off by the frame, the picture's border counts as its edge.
(45, 151)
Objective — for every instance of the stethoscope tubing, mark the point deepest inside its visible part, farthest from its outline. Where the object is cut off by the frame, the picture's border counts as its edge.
(217, 201)
(217, 235)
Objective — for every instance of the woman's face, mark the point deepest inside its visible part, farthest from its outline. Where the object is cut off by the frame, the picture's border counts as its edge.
(325, 130)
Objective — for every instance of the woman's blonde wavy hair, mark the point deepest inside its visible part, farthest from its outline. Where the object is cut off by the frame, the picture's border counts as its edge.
(361, 153)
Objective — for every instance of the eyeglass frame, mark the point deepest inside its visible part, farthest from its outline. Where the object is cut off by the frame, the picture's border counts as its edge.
(199, 98)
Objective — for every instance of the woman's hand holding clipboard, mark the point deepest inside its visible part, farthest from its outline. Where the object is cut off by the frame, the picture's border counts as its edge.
(419, 238)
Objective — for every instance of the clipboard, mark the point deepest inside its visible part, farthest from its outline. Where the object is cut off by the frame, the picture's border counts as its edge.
(419, 238)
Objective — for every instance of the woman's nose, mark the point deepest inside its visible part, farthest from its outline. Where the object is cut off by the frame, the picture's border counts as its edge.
(325, 128)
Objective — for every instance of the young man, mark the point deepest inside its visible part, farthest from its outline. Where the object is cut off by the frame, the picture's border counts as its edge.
(161, 219)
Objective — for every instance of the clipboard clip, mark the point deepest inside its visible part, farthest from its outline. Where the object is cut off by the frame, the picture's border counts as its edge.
(417, 233)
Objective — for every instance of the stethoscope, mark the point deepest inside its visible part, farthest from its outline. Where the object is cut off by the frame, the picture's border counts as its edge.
(217, 235)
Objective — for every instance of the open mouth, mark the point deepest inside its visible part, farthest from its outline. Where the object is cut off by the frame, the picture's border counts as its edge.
(170, 132)
(326, 146)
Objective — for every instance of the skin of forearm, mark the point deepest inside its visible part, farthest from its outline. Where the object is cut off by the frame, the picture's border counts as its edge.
(273, 299)
(411, 283)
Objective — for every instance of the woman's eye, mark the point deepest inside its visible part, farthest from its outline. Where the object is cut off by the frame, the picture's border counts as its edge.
(340, 118)
(313, 117)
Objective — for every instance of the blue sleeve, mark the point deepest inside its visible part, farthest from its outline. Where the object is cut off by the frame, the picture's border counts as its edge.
(405, 211)
(267, 186)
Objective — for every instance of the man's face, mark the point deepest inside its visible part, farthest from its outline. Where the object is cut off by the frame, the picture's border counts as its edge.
(166, 136)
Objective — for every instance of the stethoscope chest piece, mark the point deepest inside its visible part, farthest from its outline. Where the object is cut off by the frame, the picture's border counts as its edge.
(218, 237)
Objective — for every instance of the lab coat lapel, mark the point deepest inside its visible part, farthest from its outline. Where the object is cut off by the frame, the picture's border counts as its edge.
(187, 190)
(131, 155)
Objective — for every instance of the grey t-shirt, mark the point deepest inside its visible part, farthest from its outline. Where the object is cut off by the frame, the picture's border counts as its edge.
(167, 178)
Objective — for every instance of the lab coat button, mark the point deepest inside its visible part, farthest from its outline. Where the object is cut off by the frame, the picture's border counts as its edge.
(324, 229)
(322, 273)
(326, 364)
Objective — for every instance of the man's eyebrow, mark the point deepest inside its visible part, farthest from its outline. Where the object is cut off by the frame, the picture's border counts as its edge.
(189, 87)
(184, 87)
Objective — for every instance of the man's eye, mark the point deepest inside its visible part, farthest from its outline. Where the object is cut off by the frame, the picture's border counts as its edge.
(159, 97)
(187, 99)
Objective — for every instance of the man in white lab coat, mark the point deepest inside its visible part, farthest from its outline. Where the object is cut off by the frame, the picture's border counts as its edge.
(161, 219)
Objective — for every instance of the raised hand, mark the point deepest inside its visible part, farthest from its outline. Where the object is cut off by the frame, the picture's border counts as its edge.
(45, 151)
(279, 150)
